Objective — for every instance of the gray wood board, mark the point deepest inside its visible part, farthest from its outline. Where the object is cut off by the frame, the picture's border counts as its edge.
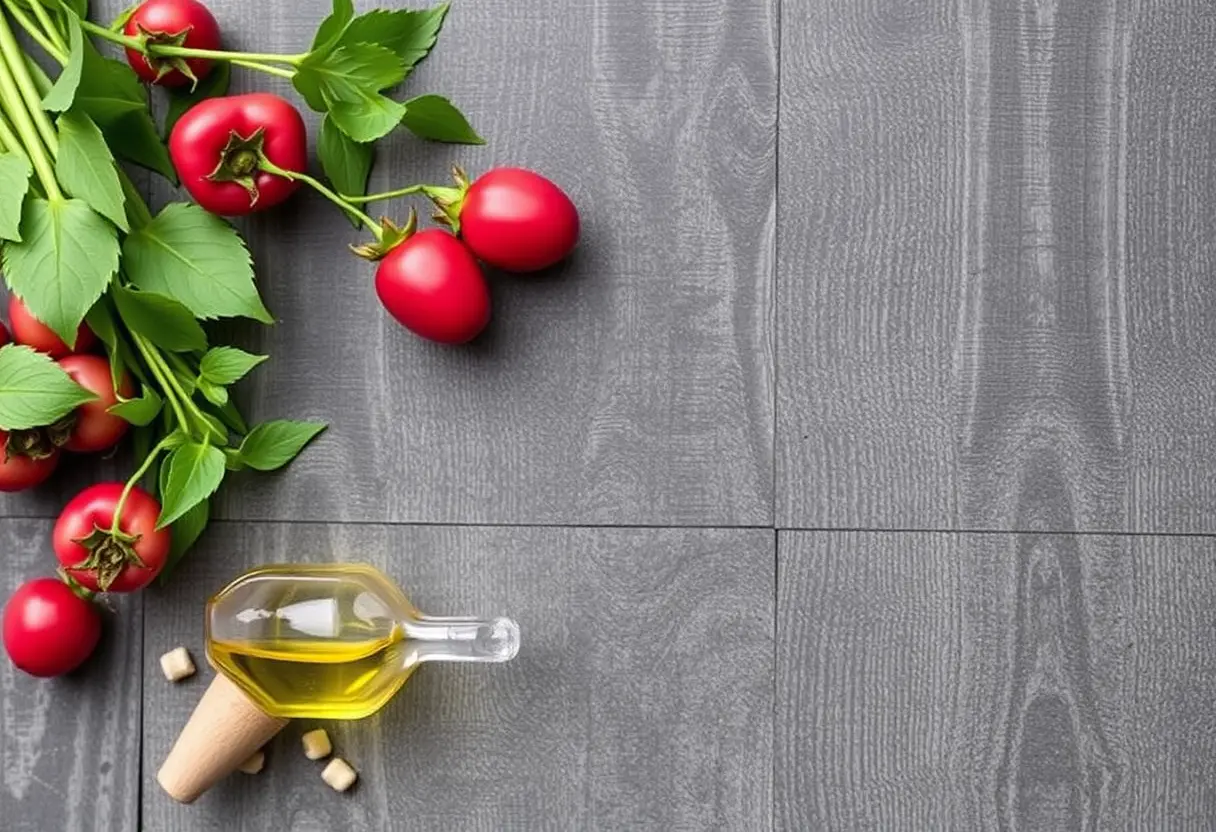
(69, 747)
(995, 681)
(641, 697)
(995, 284)
(632, 385)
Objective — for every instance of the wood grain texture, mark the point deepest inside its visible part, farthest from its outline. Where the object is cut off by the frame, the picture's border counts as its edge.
(69, 747)
(983, 682)
(994, 266)
(641, 697)
(632, 385)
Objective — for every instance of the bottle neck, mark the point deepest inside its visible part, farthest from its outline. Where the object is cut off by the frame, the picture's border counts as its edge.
(436, 639)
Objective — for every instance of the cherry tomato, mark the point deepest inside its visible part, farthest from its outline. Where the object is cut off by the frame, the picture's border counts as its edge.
(432, 284)
(104, 562)
(93, 427)
(518, 220)
(215, 147)
(172, 23)
(32, 332)
(49, 629)
(29, 458)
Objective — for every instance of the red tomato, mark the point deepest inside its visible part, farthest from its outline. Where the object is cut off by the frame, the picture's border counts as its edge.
(3, 335)
(49, 629)
(172, 23)
(32, 332)
(518, 220)
(94, 428)
(215, 148)
(432, 284)
(26, 464)
(100, 561)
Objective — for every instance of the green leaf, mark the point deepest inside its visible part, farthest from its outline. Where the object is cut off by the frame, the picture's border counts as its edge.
(346, 82)
(141, 411)
(160, 319)
(331, 27)
(63, 93)
(182, 99)
(111, 94)
(80, 7)
(198, 260)
(117, 24)
(195, 471)
(408, 33)
(65, 259)
(231, 417)
(85, 168)
(186, 531)
(225, 365)
(346, 162)
(15, 173)
(34, 390)
(434, 117)
(215, 393)
(272, 445)
(366, 121)
(100, 319)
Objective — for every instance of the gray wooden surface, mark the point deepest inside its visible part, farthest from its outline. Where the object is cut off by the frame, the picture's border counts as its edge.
(927, 286)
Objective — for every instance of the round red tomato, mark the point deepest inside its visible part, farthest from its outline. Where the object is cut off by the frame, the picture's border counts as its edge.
(432, 284)
(49, 629)
(32, 332)
(29, 458)
(3, 335)
(93, 428)
(172, 23)
(216, 146)
(518, 220)
(105, 562)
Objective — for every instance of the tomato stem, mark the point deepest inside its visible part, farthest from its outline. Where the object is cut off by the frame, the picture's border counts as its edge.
(153, 362)
(36, 34)
(272, 168)
(249, 60)
(51, 30)
(360, 200)
(269, 70)
(15, 106)
(116, 527)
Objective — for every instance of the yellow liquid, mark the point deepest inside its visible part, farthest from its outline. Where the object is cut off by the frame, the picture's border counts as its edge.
(309, 678)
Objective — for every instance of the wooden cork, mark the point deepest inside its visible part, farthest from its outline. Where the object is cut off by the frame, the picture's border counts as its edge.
(223, 732)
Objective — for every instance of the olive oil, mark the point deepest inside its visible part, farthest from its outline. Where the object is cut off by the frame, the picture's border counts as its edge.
(335, 641)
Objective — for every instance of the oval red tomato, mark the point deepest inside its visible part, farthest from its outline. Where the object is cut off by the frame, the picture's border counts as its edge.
(49, 629)
(172, 23)
(28, 459)
(100, 561)
(34, 333)
(432, 284)
(518, 220)
(93, 427)
(215, 148)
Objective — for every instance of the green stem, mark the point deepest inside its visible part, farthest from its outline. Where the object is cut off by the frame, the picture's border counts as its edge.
(360, 200)
(25, 84)
(272, 168)
(31, 28)
(164, 50)
(115, 527)
(269, 70)
(11, 99)
(153, 362)
(8, 139)
(51, 30)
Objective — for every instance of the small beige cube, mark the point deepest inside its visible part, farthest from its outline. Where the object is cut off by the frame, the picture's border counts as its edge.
(317, 744)
(339, 775)
(254, 764)
(177, 664)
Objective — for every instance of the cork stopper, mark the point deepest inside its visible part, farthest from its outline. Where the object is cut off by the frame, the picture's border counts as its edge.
(223, 732)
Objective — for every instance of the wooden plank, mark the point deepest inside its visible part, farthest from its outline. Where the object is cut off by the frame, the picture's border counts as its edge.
(641, 698)
(69, 747)
(941, 681)
(632, 385)
(994, 293)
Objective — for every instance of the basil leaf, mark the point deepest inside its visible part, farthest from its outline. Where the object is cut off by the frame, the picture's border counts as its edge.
(225, 365)
(346, 162)
(331, 27)
(408, 33)
(15, 173)
(272, 445)
(215, 393)
(196, 470)
(160, 319)
(111, 94)
(141, 411)
(65, 259)
(85, 167)
(182, 99)
(186, 531)
(61, 95)
(346, 83)
(198, 260)
(434, 117)
(34, 390)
